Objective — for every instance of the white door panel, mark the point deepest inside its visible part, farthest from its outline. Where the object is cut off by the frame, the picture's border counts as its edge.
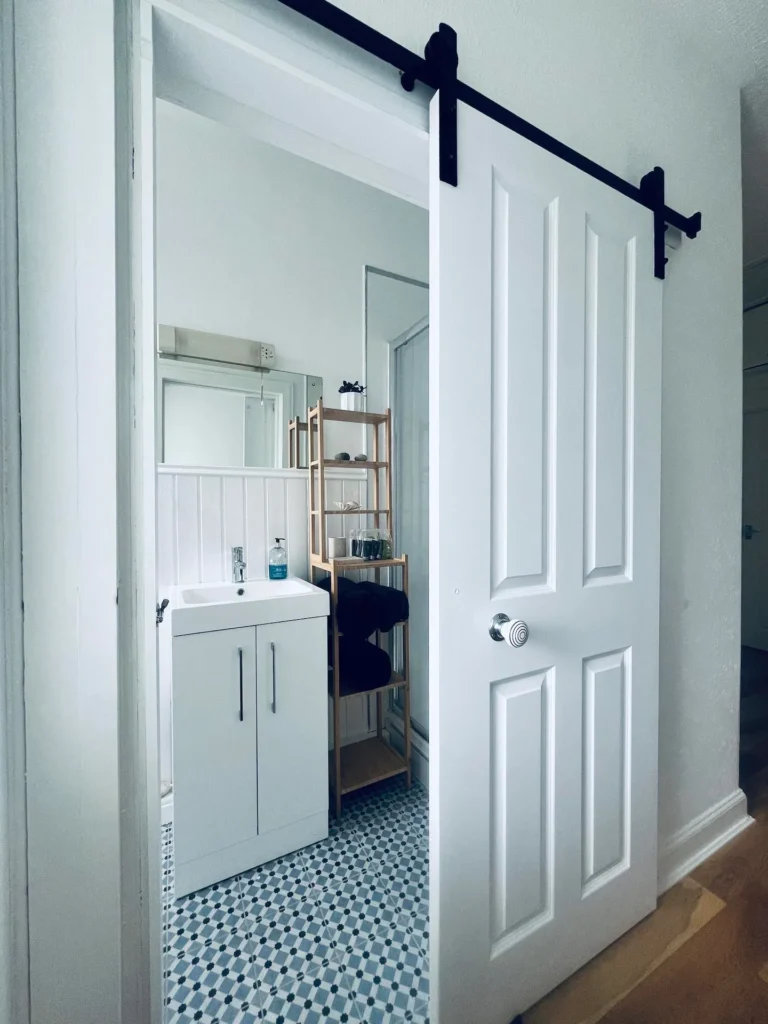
(544, 504)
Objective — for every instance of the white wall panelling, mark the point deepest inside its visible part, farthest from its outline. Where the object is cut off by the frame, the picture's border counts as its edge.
(203, 513)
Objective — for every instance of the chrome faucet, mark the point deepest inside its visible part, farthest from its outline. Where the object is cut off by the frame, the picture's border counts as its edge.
(238, 566)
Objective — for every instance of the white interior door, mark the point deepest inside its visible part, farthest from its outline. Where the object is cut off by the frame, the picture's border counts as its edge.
(754, 584)
(545, 381)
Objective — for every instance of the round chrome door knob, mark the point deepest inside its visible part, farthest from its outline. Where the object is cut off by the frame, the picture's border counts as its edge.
(514, 631)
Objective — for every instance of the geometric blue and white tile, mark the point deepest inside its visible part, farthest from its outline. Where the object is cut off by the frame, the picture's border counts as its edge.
(334, 933)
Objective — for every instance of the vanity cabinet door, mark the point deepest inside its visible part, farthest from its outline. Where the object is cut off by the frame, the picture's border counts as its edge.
(293, 721)
(214, 742)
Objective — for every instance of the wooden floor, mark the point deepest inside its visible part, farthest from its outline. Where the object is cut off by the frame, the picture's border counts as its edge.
(702, 958)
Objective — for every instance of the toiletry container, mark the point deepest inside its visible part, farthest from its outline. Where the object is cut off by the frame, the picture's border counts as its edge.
(278, 561)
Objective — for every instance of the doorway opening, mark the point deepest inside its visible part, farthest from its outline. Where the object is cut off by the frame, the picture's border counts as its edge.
(753, 751)
(272, 909)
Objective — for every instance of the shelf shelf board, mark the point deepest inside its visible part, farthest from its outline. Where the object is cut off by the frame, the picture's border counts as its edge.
(394, 684)
(353, 512)
(345, 416)
(345, 564)
(367, 762)
(348, 464)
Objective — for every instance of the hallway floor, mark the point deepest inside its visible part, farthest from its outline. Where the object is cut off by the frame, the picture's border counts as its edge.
(701, 958)
(336, 932)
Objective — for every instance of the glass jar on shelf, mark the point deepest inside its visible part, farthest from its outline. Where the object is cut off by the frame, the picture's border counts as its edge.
(370, 545)
(353, 543)
(385, 538)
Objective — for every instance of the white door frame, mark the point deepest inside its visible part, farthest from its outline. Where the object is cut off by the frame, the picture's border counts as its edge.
(323, 71)
(14, 923)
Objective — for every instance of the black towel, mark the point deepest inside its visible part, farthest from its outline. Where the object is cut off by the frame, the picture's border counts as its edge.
(391, 604)
(362, 666)
(362, 608)
(356, 613)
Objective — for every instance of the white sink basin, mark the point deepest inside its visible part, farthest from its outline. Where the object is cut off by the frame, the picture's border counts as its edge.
(231, 605)
(254, 590)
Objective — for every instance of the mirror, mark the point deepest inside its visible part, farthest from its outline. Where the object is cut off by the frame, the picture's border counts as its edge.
(230, 417)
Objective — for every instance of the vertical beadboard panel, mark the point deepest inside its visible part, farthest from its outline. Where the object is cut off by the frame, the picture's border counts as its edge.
(255, 512)
(296, 528)
(187, 529)
(201, 517)
(334, 490)
(276, 520)
(211, 529)
(233, 516)
(167, 575)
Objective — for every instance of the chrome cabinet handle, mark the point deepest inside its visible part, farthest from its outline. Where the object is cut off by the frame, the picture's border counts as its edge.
(274, 681)
(515, 632)
(240, 656)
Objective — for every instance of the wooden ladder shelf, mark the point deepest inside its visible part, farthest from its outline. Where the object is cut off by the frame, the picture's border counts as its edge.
(360, 764)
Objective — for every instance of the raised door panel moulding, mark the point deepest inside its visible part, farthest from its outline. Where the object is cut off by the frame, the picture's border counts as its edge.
(521, 882)
(605, 800)
(611, 278)
(524, 247)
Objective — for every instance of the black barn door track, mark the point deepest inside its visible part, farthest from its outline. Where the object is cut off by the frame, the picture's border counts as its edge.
(438, 68)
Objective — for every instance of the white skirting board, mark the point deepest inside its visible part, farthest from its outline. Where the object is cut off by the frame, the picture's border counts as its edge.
(702, 837)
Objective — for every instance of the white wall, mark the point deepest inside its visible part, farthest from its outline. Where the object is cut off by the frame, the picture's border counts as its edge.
(255, 242)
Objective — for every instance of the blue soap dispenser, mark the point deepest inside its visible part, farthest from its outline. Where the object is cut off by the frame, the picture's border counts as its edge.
(278, 561)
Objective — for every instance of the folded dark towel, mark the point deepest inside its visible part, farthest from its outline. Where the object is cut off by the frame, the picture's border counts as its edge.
(362, 666)
(355, 610)
(362, 608)
(391, 604)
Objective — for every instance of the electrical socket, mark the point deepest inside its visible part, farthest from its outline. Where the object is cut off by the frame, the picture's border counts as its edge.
(267, 355)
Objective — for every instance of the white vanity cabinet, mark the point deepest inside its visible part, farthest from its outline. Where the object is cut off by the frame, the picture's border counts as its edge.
(250, 746)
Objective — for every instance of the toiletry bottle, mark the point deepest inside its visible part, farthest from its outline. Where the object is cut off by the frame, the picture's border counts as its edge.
(278, 561)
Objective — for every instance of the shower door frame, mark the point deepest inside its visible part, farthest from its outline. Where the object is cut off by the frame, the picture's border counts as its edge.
(397, 343)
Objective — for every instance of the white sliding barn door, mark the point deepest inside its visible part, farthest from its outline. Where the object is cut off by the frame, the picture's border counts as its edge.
(544, 505)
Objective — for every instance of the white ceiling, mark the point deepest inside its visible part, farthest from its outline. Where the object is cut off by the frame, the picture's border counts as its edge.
(733, 35)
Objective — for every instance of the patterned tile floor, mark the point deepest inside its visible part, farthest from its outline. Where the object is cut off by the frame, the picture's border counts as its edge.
(336, 932)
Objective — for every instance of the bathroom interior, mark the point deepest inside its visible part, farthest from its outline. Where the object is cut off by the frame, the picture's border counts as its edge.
(292, 581)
